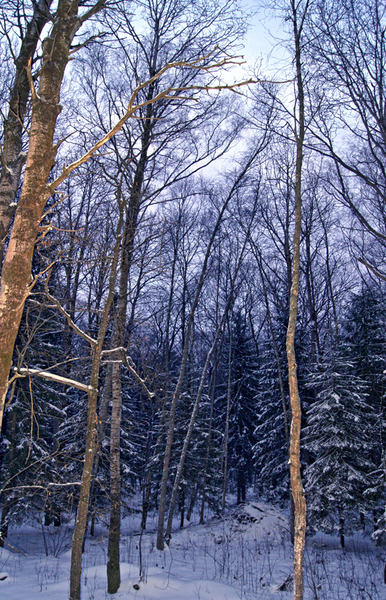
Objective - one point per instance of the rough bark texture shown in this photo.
(113, 569)
(295, 466)
(13, 158)
(16, 273)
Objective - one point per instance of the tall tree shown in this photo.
(16, 273)
(346, 42)
(29, 26)
(297, 13)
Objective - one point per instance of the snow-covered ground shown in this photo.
(247, 556)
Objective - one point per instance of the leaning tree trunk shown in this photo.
(177, 391)
(189, 433)
(199, 396)
(13, 157)
(16, 272)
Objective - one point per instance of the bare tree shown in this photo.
(346, 42)
(16, 275)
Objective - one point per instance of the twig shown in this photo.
(13, 547)
(71, 323)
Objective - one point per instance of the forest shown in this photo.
(192, 257)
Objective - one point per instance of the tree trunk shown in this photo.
(192, 502)
(188, 436)
(341, 528)
(208, 444)
(12, 156)
(91, 437)
(295, 466)
(102, 418)
(16, 272)
(81, 517)
(4, 523)
(170, 435)
(113, 569)
(281, 386)
(190, 428)
(229, 390)
(181, 505)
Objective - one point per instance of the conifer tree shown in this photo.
(339, 438)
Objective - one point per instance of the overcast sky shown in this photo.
(261, 42)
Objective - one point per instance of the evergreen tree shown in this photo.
(339, 439)
(270, 450)
(365, 335)
(242, 416)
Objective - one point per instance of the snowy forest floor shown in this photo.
(247, 555)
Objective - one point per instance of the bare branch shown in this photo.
(129, 364)
(25, 372)
(71, 323)
(30, 80)
(134, 108)
(372, 269)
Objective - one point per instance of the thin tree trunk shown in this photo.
(191, 427)
(131, 222)
(192, 502)
(201, 388)
(341, 527)
(226, 435)
(281, 386)
(181, 505)
(91, 438)
(208, 443)
(102, 418)
(295, 466)
(4, 523)
(5, 504)
(177, 391)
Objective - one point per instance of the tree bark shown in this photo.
(16, 272)
(226, 435)
(208, 444)
(13, 158)
(191, 424)
(281, 385)
(113, 568)
(131, 222)
(295, 466)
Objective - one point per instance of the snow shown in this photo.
(246, 555)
